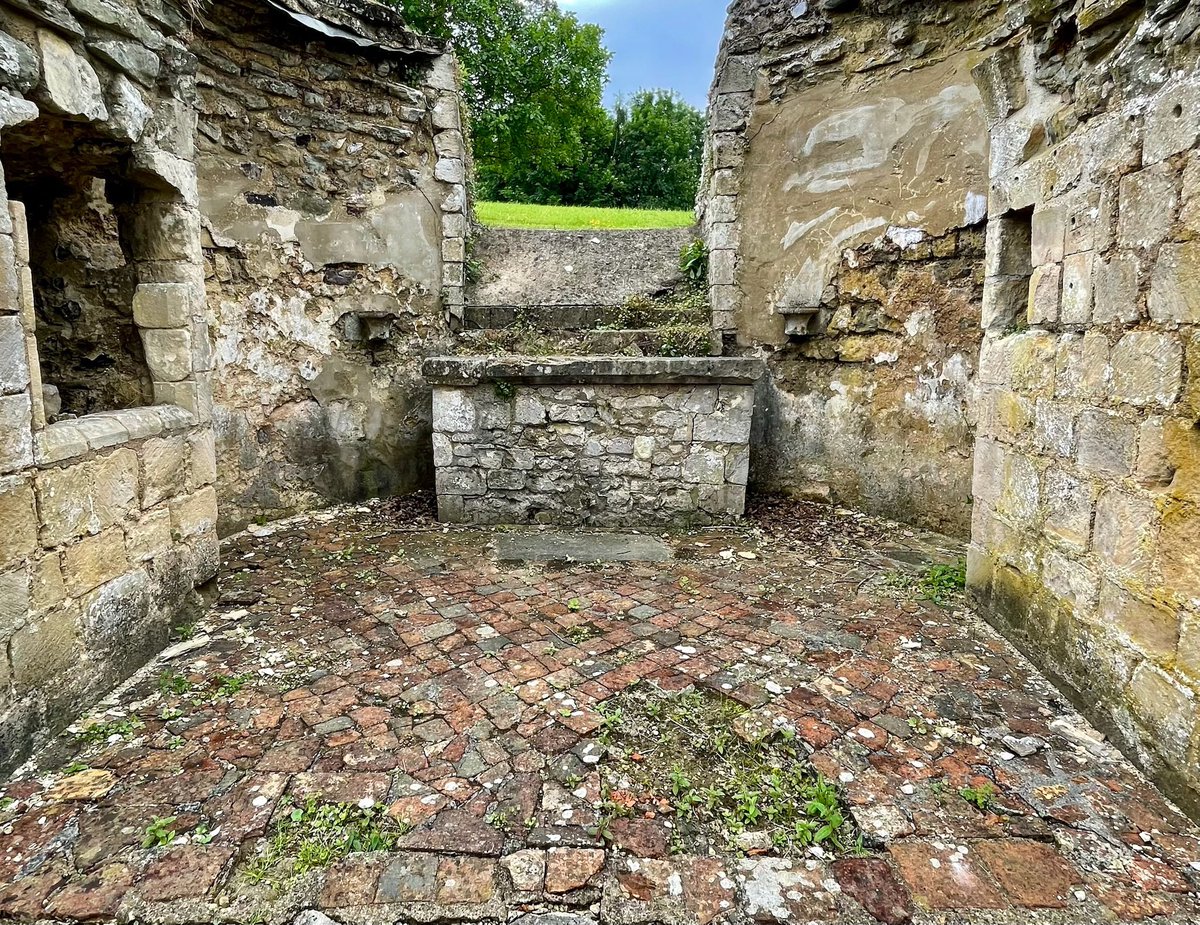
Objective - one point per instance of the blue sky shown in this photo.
(670, 44)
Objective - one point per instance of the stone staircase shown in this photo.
(543, 293)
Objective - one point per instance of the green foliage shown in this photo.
(534, 79)
(316, 833)
(658, 139)
(159, 833)
(982, 798)
(172, 682)
(684, 750)
(941, 582)
(102, 732)
(693, 263)
(505, 390)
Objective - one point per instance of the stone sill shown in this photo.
(619, 370)
(80, 436)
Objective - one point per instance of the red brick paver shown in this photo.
(389, 664)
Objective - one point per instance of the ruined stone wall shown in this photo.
(332, 185)
(569, 279)
(108, 518)
(843, 198)
(602, 442)
(1087, 471)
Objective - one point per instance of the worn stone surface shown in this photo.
(370, 677)
(83, 473)
(1076, 539)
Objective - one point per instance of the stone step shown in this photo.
(679, 340)
(634, 314)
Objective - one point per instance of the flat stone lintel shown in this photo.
(466, 371)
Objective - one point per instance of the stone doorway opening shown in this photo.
(74, 208)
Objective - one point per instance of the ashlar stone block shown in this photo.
(1107, 444)
(453, 411)
(1152, 628)
(45, 648)
(1179, 550)
(1175, 284)
(168, 353)
(1147, 369)
(1077, 289)
(195, 513)
(1172, 123)
(1068, 502)
(14, 359)
(16, 424)
(165, 305)
(1166, 707)
(1148, 202)
(1126, 532)
(95, 560)
(18, 536)
(1045, 288)
(1115, 289)
(164, 469)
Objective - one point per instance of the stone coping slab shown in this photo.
(460, 371)
(581, 547)
(74, 437)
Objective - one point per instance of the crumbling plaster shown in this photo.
(332, 188)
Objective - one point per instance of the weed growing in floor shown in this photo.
(159, 833)
(172, 682)
(942, 582)
(982, 798)
(316, 833)
(102, 732)
(681, 755)
(581, 633)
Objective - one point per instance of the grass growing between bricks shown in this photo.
(313, 834)
(727, 780)
(577, 218)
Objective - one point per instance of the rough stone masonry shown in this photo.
(604, 441)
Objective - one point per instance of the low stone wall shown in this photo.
(603, 441)
(565, 279)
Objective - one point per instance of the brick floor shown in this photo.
(379, 660)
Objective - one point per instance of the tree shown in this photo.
(657, 145)
(534, 84)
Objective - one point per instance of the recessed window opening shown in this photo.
(78, 212)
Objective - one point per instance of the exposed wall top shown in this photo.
(363, 22)
(711, 370)
(528, 267)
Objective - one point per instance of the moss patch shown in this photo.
(728, 779)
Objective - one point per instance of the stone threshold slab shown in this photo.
(581, 547)
(461, 371)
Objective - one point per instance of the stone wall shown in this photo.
(108, 518)
(332, 181)
(843, 197)
(568, 279)
(1087, 469)
(599, 442)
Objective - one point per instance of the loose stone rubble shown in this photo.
(383, 661)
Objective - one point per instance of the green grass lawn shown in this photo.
(573, 218)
